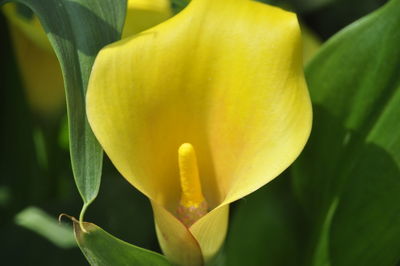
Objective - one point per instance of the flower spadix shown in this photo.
(200, 111)
(192, 205)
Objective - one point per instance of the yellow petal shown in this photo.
(223, 75)
(226, 78)
(143, 14)
(193, 246)
(210, 231)
(176, 241)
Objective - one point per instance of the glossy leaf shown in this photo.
(77, 30)
(348, 177)
(103, 249)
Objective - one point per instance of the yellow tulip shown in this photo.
(38, 63)
(200, 111)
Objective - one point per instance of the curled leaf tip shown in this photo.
(71, 218)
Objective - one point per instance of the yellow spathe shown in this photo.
(223, 75)
(38, 63)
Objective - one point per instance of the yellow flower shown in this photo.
(311, 44)
(143, 14)
(38, 63)
(200, 111)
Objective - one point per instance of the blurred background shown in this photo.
(36, 182)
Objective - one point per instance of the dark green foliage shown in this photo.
(348, 177)
(77, 30)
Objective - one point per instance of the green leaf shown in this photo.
(77, 30)
(103, 249)
(43, 224)
(265, 228)
(348, 178)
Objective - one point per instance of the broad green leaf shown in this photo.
(348, 178)
(43, 224)
(103, 249)
(77, 30)
(265, 228)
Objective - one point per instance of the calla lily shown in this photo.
(311, 44)
(37, 61)
(200, 111)
(143, 14)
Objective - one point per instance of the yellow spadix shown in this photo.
(192, 204)
(225, 76)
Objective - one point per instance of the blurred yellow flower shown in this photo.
(311, 44)
(143, 14)
(38, 63)
(200, 111)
